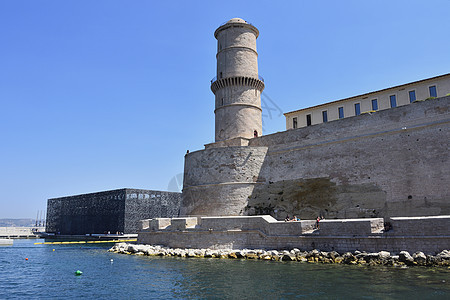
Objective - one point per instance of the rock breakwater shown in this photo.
(403, 258)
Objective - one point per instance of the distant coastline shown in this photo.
(10, 222)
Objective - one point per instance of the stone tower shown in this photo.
(237, 86)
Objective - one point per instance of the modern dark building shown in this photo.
(109, 211)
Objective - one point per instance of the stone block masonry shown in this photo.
(264, 232)
(389, 163)
(109, 211)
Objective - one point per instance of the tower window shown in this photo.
(433, 92)
(357, 109)
(294, 122)
(341, 112)
(220, 75)
(393, 100)
(412, 96)
(308, 120)
(374, 104)
(325, 116)
(222, 101)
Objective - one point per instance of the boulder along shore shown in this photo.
(403, 258)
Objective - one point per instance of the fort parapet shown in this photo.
(426, 234)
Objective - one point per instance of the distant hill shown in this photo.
(17, 222)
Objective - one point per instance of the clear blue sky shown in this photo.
(99, 95)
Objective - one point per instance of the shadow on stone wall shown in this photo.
(309, 198)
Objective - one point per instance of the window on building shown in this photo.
(308, 120)
(374, 104)
(294, 122)
(412, 96)
(341, 112)
(325, 116)
(393, 100)
(357, 109)
(433, 92)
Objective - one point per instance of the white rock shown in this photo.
(384, 254)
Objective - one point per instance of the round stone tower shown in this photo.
(237, 86)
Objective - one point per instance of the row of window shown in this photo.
(357, 107)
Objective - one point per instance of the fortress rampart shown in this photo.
(426, 234)
(358, 172)
(216, 174)
(389, 163)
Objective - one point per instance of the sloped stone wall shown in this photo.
(390, 163)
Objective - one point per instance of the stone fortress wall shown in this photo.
(110, 211)
(390, 163)
(362, 173)
(426, 234)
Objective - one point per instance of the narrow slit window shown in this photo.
(393, 100)
(325, 116)
(433, 91)
(341, 112)
(412, 96)
(357, 109)
(294, 122)
(308, 120)
(374, 104)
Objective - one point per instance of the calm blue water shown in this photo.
(49, 274)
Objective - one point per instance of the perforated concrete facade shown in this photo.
(109, 211)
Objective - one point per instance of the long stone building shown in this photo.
(370, 102)
(394, 162)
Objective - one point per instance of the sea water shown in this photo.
(49, 273)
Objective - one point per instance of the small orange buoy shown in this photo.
(26, 258)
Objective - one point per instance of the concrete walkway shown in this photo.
(20, 232)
